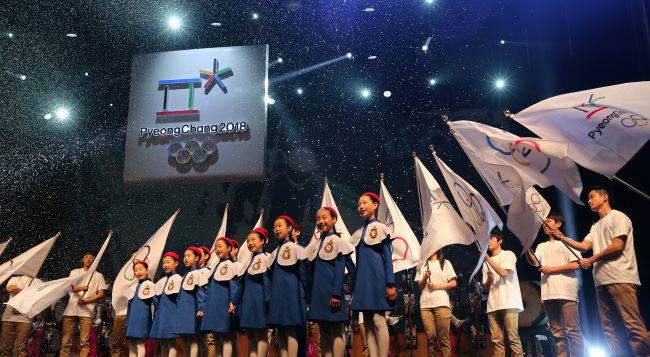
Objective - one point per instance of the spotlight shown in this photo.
(348, 55)
(71, 35)
(365, 93)
(432, 81)
(11, 35)
(369, 9)
(270, 100)
(23, 77)
(256, 16)
(387, 94)
(372, 57)
(596, 352)
(174, 23)
(48, 116)
(62, 113)
(500, 84)
(429, 1)
(426, 44)
(502, 42)
(280, 60)
(215, 24)
(86, 74)
(425, 48)
(299, 90)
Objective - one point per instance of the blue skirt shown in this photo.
(370, 285)
(186, 308)
(285, 307)
(254, 305)
(324, 287)
(216, 317)
(165, 317)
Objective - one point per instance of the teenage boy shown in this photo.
(504, 300)
(559, 288)
(16, 326)
(81, 307)
(615, 275)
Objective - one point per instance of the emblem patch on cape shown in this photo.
(329, 247)
(286, 253)
(224, 270)
(145, 292)
(190, 280)
(257, 264)
(373, 232)
(170, 287)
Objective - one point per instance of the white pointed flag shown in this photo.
(244, 256)
(328, 201)
(605, 127)
(221, 233)
(150, 252)
(441, 224)
(405, 246)
(4, 245)
(36, 298)
(538, 162)
(28, 263)
(473, 207)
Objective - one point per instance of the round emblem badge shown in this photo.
(170, 287)
(190, 280)
(373, 232)
(286, 253)
(257, 264)
(224, 270)
(329, 247)
(145, 292)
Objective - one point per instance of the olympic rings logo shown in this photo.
(523, 152)
(634, 120)
(405, 250)
(472, 202)
(433, 200)
(535, 200)
(504, 182)
(192, 151)
(136, 258)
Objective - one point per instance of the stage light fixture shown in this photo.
(425, 47)
(256, 16)
(62, 113)
(11, 35)
(280, 59)
(23, 77)
(597, 352)
(502, 42)
(387, 94)
(299, 90)
(86, 74)
(500, 83)
(348, 55)
(47, 116)
(174, 23)
(365, 93)
(432, 81)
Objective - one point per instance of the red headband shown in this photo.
(372, 195)
(288, 220)
(146, 265)
(206, 250)
(234, 243)
(173, 255)
(331, 210)
(227, 240)
(196, 250)
(262, 231)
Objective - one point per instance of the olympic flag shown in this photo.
(328, 201)
(245, 255)
(406, 249)
(605, 127)
(28, 263)
(221, 233)
(473, 207)
(538, 162)
(150, 252)
(34, 299)
(441, 224)
(4, 245)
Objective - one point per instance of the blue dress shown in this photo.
(191, 299)
(287, 284)
(374, 272)
(327, 282)
(256, 293)
(223, 288)
(165, 304)
(138, 317)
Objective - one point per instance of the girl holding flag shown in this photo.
(167, 290)
(374, 292)
(328, 255)
(191, 303)
(138, 318)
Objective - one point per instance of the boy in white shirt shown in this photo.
(16, 326)
(559, 288)
(615, 274)
(504, 300)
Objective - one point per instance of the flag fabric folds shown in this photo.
(244, 256)
(28, 263)
(214, 260)
(150, 252)
(605, 127)
(441, 224)
(4, 245)
(328, 201)
(405, 246)
(34, 299)
(473, 207)
(538, 162)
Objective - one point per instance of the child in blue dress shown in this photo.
(374, 290)
(256, 294)
(191, 303)
(328, 255)
(138, 317)
(167, 290)
(223, 296)
(288, 277)
(205, 339)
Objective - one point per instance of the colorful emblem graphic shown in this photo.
(145, 292)
(329, 246)
(190, 280)
(286, 253)
(257, 264)
(170, 287)
(373, 232)
(224, 270)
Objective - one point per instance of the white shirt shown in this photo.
(504, 293)
(621, 268)
(435, 298)
(21, 282)
(96, 283)
(560, 285)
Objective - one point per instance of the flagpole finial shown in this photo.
(227, 205)
(178, 211)
(110, 233)
(414, 154)
(445, 118)
(452, 131)
(432, 149)
(58, 234)
(325, 179)
(507, 113)
(382, 176)
(10, 239)
(262, 211)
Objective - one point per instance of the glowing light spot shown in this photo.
(175, 23)
(502, 42)
(372, 57)
(215, 24)
(387, 94)
(432, 81)
(11, 35)
(365, 93)
(596, 352)
(500, 84)
(48, 116)
(62, 113)
(23, 77)
(348, 55)
(299, 91)
(280, 60)
(71, 35)
(368, 9)
(256, 16)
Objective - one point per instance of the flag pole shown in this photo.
(631, 187)
(415, 156)
(453, 133)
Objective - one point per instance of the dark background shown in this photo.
(67, 175)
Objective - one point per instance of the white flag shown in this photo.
(28, 263)
(4, 245)
(527, 209)
(538, 162)
(328, 201)
(605, 127)
(244, 256)
(150, 252)
(405, 246)
(441, 224)
(221, 233)
(36, 298)
(473, 207)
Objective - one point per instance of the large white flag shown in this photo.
(4, 245)
(244, 256)
(473, 207)
(221, 233)
(34, 299)
(527, 209)
(28, 263)
(405, 246)
(328, 201)
(605, 127)
(150, 252)
(441, 224)
(538, 162)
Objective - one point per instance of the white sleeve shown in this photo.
(449, 270)
(510, 262)
(539, 252)
(101, 283)
(590, 236)
(620, 225)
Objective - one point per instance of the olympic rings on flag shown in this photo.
(634, 120)
(537, 201)
(405, 250)
(522, 152)
(192, 151)
(472, 202)
(136, 257)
